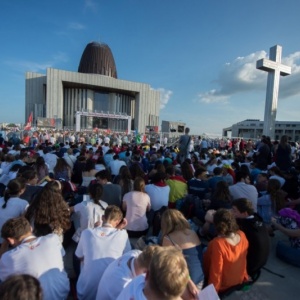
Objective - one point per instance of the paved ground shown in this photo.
(268, 286)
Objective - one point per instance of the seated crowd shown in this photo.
(205, 220)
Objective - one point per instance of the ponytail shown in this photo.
(13, 188)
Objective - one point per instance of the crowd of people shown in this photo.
(201, 208)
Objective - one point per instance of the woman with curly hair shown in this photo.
(11, 205)
(227, 251)
(48, 212)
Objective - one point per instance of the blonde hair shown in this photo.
(139, 184)
(144, 259)
(173, 220)
(168, 273)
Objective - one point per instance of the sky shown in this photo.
(200, 54)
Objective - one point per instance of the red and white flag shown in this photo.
(28, 125)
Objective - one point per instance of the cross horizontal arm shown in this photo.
(270, 65)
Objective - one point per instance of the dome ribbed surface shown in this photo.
(98, 59)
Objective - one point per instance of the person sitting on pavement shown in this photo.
(288, 223)
(166, 279)
(256, 233)
(244, 189)
(227, 251)
(97, 248)
(177, 184)
(136, 204)
(123, 270)
(37, 256)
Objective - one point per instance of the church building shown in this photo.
(92, 97)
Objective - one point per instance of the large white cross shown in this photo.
(274, 68)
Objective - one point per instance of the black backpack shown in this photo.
(157, 220)
(190, 205)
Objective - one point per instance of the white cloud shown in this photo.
(76, 26)
(165, 96)
(213, 96)
(91, 4)
(241, 75)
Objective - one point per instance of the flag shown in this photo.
(28, 125)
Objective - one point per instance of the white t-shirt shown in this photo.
(99, 247)
(15, 207)
(159, 195)
(115, 166)
(137, 203)
(109, 289)
(50, 160)
(41, 258)
(243, 190)
(134, 290)
(90, 213)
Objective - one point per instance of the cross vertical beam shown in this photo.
(274, 68)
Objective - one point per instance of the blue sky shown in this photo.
(201, 54)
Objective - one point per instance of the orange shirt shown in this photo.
(225, 264)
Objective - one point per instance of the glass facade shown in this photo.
(97, 101)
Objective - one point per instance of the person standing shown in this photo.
(184, 142)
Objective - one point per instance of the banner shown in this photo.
(28, 125)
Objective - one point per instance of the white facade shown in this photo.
(253, 129)
(172, 129)
(59, 94)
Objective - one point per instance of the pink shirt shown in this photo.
(136, 203)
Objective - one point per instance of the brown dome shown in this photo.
(98, 59)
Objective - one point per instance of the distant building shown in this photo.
(172, 129)
(93, 90)
(253, 129)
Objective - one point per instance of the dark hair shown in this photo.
(221, 193)
(104, 174)
(136, 171)
(89, 165)
(170, 170)
(239, 175)
(29, 175)
(125, 180)
(277, 194)
(49, 211)
(96, 191)
(187, 171)
(21, 287)
(15, 168)
(61, 165)
(157, 177)
(243, 205)
(225, 222)
(199, 171)
(13, 188)
(40, 162)
(15, 228)
(217, 171)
